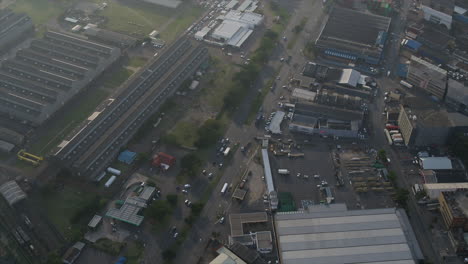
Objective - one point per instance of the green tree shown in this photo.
(382, 155)
(191, 164)
(197, 208)
(172, 199)
(401, 196)
(169, 254)
(53, 258)
(159, 210)
(209, 133)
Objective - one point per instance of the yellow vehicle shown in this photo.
(28, 157)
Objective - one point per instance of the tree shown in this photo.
(191, 164)
(172, 199)
(159, 210)
(208, 133)
(197, 208)
(401, 196)
(382, 155)
(53, 258)
(168, 254)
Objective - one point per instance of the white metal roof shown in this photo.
(275, 125)
(349, 77)
(304, 94)
(12, 192)
(227, 29)
(334, 235)
(249, 18)
(436, 163)
(267, 168)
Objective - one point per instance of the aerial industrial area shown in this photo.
(233, 131)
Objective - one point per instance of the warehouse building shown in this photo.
(423, 123)
(236, 27)
(438, 11)
(334, 235)
(315, 119)
(352, 36)
(44, 76)
(13, 27)
(428, 77)
(110, 37)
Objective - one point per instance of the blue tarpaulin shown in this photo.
(127, 156)
(413, 44)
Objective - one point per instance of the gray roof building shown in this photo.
(457, 95)
(43, 77)
(333, 235)
(353, 35)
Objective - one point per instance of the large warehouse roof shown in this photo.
(42, 77)
(350, 30)
(334, 235)
(436, 163)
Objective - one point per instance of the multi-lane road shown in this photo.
(100, 137)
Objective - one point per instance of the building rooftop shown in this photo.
(444, 6)
(457, 91)
(275, 125)
(95, 221)
(436, 163)
(350, 29)
(304, 94)
(458, 202)
(12, 192)
(424, 112)
(226, 256)
(327, 112)
(333, 235)
(350, 77)
(238, 220)
(250, 18)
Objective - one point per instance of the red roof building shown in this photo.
(163, 160)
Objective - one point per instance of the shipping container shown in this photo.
(114, 171)
(110, 181)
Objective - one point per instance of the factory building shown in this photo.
(44, 76)
(315, 119)
(12, 27)
(333, 234)
(236, 27)
(428, 77)
(438, 11)
(351, 36)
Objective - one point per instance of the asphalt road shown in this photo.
(193, 247)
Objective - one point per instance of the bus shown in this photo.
(224, 189)
(389, 138)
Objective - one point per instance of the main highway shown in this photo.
(101, 136)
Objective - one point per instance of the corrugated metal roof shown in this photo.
(436, 163)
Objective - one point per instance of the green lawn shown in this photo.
(41, 11)
(118, 78)
(61, 205)
(219, 83)
(74, 113)
(136, 62)
(141, 18)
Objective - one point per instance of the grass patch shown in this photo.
(74, 113)
(297, 31)
(134, 252)
(118, 78)
(136, 62)
(185, 133)
(186, 17)
(62, 205)
(141, 18)
(218, 83)
(41, 11)
(108, 246)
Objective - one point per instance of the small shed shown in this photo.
(95, 221)
(239, 194)
(127, 157)
(6, 146)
